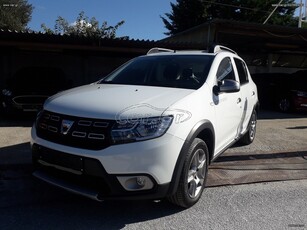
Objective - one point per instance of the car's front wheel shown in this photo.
(193, 175)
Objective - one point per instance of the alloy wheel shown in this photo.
(196, 173)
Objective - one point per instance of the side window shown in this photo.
(242, 71)
(225, 70)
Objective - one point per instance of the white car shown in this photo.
(148, 130)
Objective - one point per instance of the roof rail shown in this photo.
(159, 50)
(219, 48)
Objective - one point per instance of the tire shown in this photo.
(284, 105)
(193, 176)
(249, 136)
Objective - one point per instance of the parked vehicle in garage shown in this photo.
(28, 89)
(298, 97)
(149, 129)
(284, 92)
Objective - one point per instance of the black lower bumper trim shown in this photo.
(64, 185)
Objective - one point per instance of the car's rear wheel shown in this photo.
(193, 176)
(249, 136)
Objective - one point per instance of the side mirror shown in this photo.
(227, 86)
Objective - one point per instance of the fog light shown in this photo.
(141, 181)
(135, 183)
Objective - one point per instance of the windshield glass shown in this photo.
(179, 71)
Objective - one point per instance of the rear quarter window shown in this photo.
(242, 71)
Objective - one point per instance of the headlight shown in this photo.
(140, 129)
(6, 92)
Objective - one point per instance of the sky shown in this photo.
(142, 17)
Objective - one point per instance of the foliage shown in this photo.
(15, 14)
(186, 14)
(83, 26)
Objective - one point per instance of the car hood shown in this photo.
(106, 101)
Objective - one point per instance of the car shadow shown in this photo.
(298, 127)
(18, 154)
(33, 204)
(57, 209)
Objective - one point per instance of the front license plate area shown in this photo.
(61, 159)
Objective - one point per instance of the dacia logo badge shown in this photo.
(66, 126)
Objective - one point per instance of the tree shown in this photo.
(15, 14)
(189, 13)
(83, 26)
(257, 11)
(185, 14)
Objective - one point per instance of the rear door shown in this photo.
(248, 94)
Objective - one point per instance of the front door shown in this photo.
(228, 107)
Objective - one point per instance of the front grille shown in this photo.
(87, 133)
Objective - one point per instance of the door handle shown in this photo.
(238, 100)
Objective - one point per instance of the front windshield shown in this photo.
(179, 71)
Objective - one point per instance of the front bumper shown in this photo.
(97, 174)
